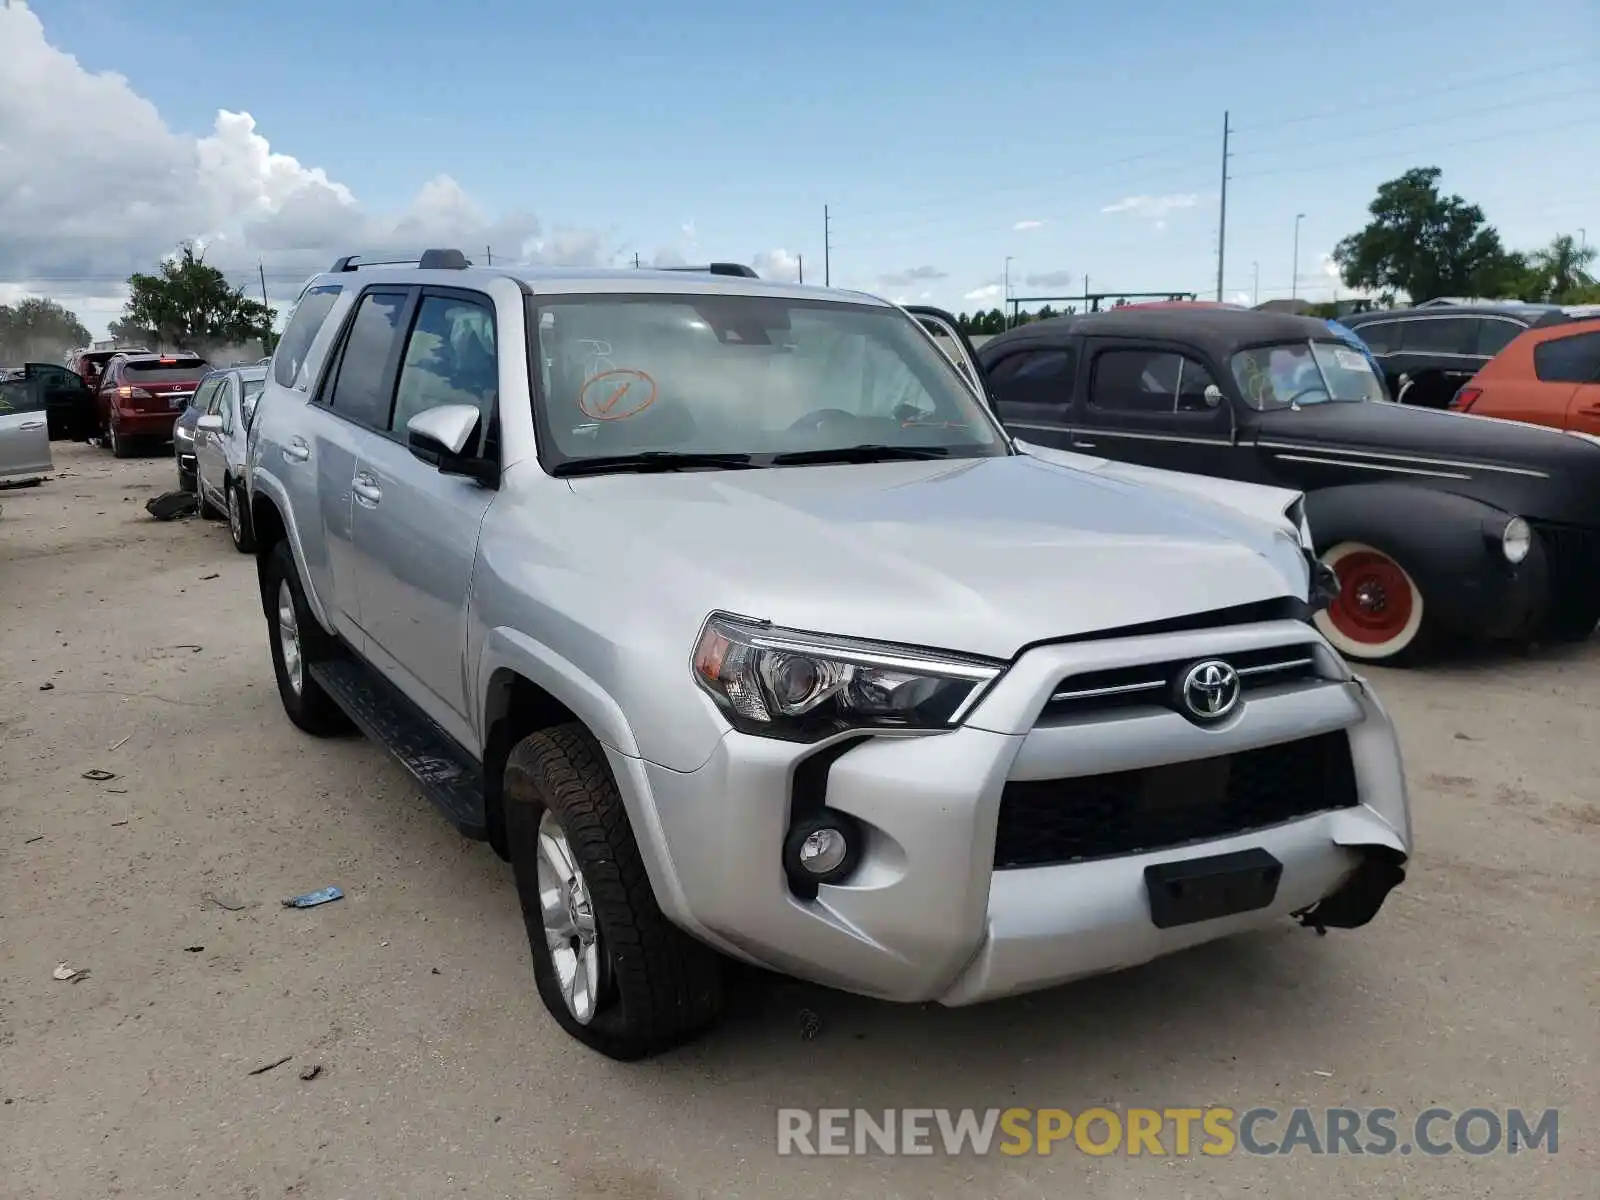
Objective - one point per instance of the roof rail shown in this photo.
(720, 268)
(431, 260)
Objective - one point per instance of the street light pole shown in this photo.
(1006, 292)
(1255, 286)
(1294, 282)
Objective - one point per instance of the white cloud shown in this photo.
(64, 128)
(1240, 298)
(911, 275)
(1024, 226)
(1050, 279)
(1153, 207)
(689, 234)
(777, 265)
(1330, 268)
(989, 291)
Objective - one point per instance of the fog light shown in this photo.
(822, 849)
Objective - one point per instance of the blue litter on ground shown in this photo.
(312, 899)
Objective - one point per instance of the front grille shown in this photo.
(1049, 822)
(1155, 683)
(1572, 553)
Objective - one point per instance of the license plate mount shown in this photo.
(1203, 889)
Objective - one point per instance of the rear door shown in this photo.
(350, 408)
(415, 531)
(1574, 360)
(24, 431)
(1156, 404)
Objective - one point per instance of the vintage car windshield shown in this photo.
(758, 376)
(1298, 373)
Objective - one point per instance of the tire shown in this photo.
(307, 705)
(186, 482)
(1380, 615)
(1571, 619)
(654, 987)
(244, 540)
(120, 446)
(207, 510)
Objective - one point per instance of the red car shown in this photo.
(141, 395)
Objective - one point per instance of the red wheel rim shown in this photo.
(1374, 604)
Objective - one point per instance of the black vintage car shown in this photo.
(1429, 351)
(1434, 522)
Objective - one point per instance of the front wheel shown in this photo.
(1379, 615)
(298, 641)
(610, 968)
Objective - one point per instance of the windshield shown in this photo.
(1305, 373)
(747, 375)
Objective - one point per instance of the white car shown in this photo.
(227, 402)
(24, 431)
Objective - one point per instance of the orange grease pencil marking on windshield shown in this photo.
(605, 411)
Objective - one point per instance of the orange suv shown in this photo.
(1548, 376)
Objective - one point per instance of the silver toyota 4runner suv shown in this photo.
(727, 612)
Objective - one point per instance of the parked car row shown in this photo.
(208, 445)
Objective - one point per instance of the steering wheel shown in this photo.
(818, 417)
(1316, 387)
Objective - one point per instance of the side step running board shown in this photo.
(443, 770)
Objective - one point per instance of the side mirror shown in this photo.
(209, 423)
(1213, 396)
(439, 437)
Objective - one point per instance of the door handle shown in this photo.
(366, 489)
(31, 425)
(297, 451)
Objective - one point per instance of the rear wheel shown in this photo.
(1379, 615)
(121, 447)
(610, 968)
(238, 521)
(298, 641)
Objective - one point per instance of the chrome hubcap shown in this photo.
(235, 518)
(289, 638)
(570, 930)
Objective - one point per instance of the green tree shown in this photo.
(1425, 245)
(1561, 269)
(190, 305)
(39, 330)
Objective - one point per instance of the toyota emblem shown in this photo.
(1209, 690)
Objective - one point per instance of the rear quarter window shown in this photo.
(1573, 359)
(310, 313)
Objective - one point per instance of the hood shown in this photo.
(1254, 500)
(982, 555)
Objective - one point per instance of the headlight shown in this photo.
(1516, 540)
(183, 433)
(803, 687)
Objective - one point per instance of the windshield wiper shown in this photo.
(650, 460)
(868, 452)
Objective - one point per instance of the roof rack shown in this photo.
(431, 260)
(720, 268)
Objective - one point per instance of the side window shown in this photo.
(1440, 335)
(1379, 336)
(202, 396)
(310, 312)
(1495, 334)
(1147, 381)
(214, 400)
(247, 405)
(449, 359)
(225, 405)
(358, 393)
(1572, 359)
(1034, 377)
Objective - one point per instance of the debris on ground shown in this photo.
(124, 821)
(273, 1065)
(63, 973)
(193, 949)
(37, 838)
(47, 687)
(810, 1025)
(172, 506)
(189, 646)
(312, 899)
(98, 775)
(120, 742)
(116, 791)
(225, 902)
(311, 1072)
(213, 575)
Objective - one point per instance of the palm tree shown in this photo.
(1563, 265)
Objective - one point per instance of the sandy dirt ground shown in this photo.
(138, 648)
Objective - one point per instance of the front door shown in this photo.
(415, 531)
(1032, 391)
(210, 461)
(24, 432)
(1157, 405)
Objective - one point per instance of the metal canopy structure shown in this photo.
(1092, 301)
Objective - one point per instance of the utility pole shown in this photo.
(263, 271)
(1294, 282)
(488, 252)
(827, 248)
(1222, 215)
(800, 262)
(635, 260)
(1255, 286)
(1005, 290)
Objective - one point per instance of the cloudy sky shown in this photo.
(1072, 140)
